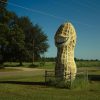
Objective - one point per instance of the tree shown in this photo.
(12, 45)
(16, 46)
(2, 9)
(40, 41)
(3, 3)
(4, 31)
(12, 42)
(19, 38)
(35, 39)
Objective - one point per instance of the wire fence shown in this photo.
(67, 80)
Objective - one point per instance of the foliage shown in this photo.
(19, 38)
(4, 30)
(16, 44)
(3, 3)
(35, 39)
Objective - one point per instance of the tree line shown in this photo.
(20, 39)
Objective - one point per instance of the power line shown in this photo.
(86, 5)
(44, 13)
(36, 11)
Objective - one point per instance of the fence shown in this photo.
(81, 78)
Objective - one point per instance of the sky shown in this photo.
(50, 14)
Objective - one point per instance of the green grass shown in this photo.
(29, 92)
(40, 92)
(88, 63)
(51, 65)
(47, 65)
(29, 87)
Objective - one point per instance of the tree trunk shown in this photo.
(20, 63)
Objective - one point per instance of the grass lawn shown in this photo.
(47, 65)
(38, 92)
(17, 89)
(27, 86)
(51, 65)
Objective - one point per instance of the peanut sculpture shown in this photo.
(65, 40)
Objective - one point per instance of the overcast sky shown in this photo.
(50, 14)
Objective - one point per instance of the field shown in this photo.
(51, 65)
(20, 83)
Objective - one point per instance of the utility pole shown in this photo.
(33, 53)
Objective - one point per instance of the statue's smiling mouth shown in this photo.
(61, 42)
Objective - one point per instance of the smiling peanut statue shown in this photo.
(65, 40)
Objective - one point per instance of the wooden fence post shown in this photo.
(87, 75)
(45, 76)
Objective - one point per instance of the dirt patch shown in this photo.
(17, 71)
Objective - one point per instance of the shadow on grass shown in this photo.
(23, 83)
(33, 66)
(94, 77)
(17, 65)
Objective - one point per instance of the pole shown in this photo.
(45, 77)
(33, 53)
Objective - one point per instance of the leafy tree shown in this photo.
(25, 24)
(3, 3)
(19, 38)
(12, 43)
(40, 41)
(2, 9)
(4, 30)
(16, 46)
(35, 39)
